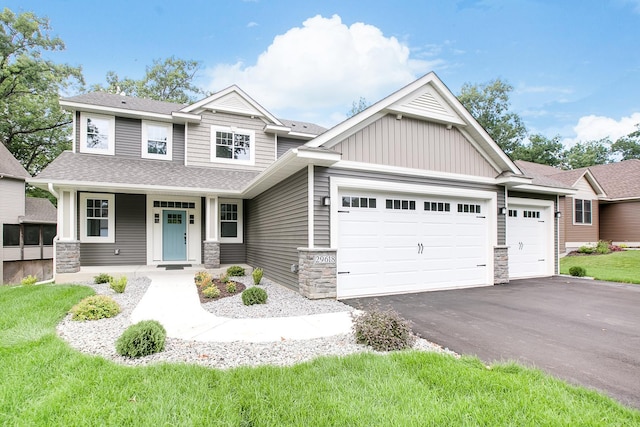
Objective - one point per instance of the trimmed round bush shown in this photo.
(95, 307)
(577, 271)
(211, 292)
(142, 339)
(235, 270)
(257, 276)
(232, 288)
(254, 295)
(383, 330)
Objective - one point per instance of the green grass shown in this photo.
(614, 267)
(45, 382)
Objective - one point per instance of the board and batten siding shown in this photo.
(12, 200)
(416, 144)
(131, 235)
(276, 224)
(286, 144)
(199, 141)
(620, 222)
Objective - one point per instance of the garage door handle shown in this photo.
(343, 211)
(481, 265)
(344, 272)
(541, 259)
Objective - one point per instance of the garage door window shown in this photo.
(358, 202)
(468, 208)
(531, 214)
(513, 213)
(437, 206)
(401, 204)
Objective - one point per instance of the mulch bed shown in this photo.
(223, 291)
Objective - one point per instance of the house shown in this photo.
(27, 226)
(606, 205)
(410, 194)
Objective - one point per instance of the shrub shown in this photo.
(602, 247)
(224, 278)
(623, 246)
(202, 277)
(142, 339)
(29, 280)
(383, 330)
(253, 296)
(95, 307)
(118, 285)
(577, 271)
(235, 270)
(211, 292)
(257, 276)
(102, 278)
(586, 249)
(616, 248)
(232, 288)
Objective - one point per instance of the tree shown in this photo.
(32, 125)
(628, 147)
(588, 153)
(489, 104)
(540, 150)
(169, 80)
(358, 106)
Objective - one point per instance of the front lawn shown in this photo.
(614, 267)
(45, 382)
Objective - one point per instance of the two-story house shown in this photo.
(409, 195)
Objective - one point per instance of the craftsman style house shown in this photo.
(409, 195)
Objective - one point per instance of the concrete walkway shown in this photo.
(172, 299)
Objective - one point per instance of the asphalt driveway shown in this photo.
(585, 332)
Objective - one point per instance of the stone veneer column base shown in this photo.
(67, 256)
(500, 264)
(211, 257)
(317, 271)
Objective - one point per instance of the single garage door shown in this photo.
(530, 239)
(393, 243)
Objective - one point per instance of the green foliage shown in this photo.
(29, 281)
(118, 285)
(489, 104)
(232, 288)
(588, 153)
(577, 271)
(540, 149)
(202, 278)
(603, 247)
(586, 249)
(622, 266)
(224, 278)
(628, 147)
(142, 339)
(257, 276)
(102, 278)
(253, 296)
(383, 330)
(235, 270)
(211, 292)
(95, 307)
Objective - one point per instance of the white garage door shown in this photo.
(390, 243)
(530, 240)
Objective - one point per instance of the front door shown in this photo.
(174, 236)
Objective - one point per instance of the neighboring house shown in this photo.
(410, 194)
(606, 205)
(28, 226)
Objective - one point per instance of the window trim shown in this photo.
(234, 130)
(582, 212)
(111, 149)
(240, 237)
(144, 141)
(111, 218)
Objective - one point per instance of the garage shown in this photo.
(530, 238)
(392, 243)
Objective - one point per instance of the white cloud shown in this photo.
(252, 24)
(594, 127)
(316, 71)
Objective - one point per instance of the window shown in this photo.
(97, 134)
(230, 213)
(468, 208)
(157, 140)
(97, 218)
(167, 204)
(437, 206)
(582, 211)
(31, 234)
(11, 235)
(232, 145)
(358, 202)
(401, 204)
(531, 214)
(48, 233)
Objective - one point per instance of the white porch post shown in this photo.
(211, 258)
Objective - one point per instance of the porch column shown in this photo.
(500, 264)
(211, 256)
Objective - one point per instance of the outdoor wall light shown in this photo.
(502, 211)
(558, 214)
(326, 201)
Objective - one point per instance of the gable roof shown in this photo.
(104, 99)
(39, 210)
(555, 177)
(620, 180)
(10, 167)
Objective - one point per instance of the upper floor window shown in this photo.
(157, 140)
(97, 218)
(232, 145)
(582, 211)
(97, 134)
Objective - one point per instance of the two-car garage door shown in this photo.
(393, 243)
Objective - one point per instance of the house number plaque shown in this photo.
(324, 259)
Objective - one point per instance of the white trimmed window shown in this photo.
(231, 145)
(97, 134)
(230, 216)
(97, 218)
(157, 140)
(582, 211)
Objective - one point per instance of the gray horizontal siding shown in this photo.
(128, 137)
(276, 225)
(131, 235)
(502, 219)
(233, 253)
(286, 144)
(178, 144)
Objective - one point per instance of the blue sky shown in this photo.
(574, 64)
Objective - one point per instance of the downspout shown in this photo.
(55, 238)
(557, 260)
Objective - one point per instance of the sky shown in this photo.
(574, 64)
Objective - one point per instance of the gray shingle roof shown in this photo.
(105, 99)
(544, 175)
(109, 170)
(39, 210)
(9, 166)
(619, 180)
(303, 127)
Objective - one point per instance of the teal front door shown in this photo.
(174, 236)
